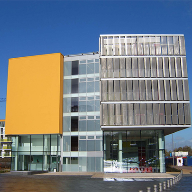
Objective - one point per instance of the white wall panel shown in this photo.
(122, 67)
(148, 86)
(149, 114)
(128, 67)
(130, 114)
(165, 67)
(129, 90)
(117, 90)
(110, 67)
(135, 89)
(143, 113)
(147, 67)
(167, 90)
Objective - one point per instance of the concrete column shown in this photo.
(120, 150)
(45, 153)
(16, 155)
(61, 158)
(161, 152)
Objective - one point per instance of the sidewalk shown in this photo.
(115, 175)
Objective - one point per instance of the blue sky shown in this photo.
(71, 27)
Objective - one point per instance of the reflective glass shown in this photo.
(37, 142)
(66, 123)
(67, 68)
(82, 125)
(66, 143)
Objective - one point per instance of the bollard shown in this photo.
(155, 188)
(164, 185)
(148, 189)
(160, 187)
(168, 185)
(140, 190)
(171, 182)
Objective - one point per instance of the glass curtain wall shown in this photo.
(82, 136)
(134, 151)
(35, 153)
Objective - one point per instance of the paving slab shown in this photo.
(115, 175)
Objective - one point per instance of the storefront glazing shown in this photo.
(35, 152)
(134, 151)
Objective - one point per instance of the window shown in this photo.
(74, 143)
(74, 104)
(74, 85)
(75, 67)
(74, 123)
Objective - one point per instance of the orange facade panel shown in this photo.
(35, 95)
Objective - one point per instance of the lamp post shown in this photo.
(173, 150)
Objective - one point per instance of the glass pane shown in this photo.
(98, 164)
(82, 87)
(54, 144)
(74, 123)
(24, 143)
(82, 69)
(91, 164)
(36, 161)
(90, 105)
(74, 85)
(82, 164)
(82, 145)
(75, 67)
(66, 123)
(74, 104)
(67, 68)
(90, 125)
(67, 86)
(82, 106)
(98, 145)
(66, 143)
(74, 143)
(90, 86)
(36, 142)
(96, 67)
(67, 105)
(82, 125)
(97, 125)
(90, 145)
(46, 142)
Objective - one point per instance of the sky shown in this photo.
(71, 27)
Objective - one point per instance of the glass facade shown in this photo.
(134, 151)
(117, 107)
(144, 96)
(35, 153)
(82, 136)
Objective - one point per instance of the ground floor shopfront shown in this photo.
(123, 151)
(134, 151)
(35, 153)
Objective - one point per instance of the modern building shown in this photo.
(5, 142)
(105, 112)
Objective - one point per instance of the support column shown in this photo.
(16, 154)
(120, 151)
(161, 152)
(61, 158)
(45, 167)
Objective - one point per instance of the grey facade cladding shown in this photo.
(144, 82)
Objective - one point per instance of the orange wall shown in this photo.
(35, 95)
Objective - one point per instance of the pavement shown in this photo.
(115, 175)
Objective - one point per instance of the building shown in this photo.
(5, 142)
(106, 111)
(5, 147)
